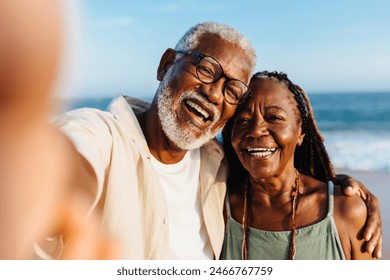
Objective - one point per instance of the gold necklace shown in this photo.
(293, 236)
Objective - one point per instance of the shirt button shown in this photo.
(165, 221)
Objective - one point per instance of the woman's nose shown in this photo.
(257, 129)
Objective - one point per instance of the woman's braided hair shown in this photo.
(310, 157)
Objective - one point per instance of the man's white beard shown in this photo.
(182, 137)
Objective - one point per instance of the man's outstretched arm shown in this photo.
(37, 162)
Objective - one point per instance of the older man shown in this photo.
(154, 170)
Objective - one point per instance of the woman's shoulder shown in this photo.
(351, 208)
(350, 214)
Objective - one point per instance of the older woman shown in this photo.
(282, 201)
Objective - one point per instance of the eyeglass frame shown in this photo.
(247, 94)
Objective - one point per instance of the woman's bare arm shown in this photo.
(373, 228)
(350, 217)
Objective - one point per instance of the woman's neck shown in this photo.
(273, 190)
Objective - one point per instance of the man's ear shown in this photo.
(166, 61)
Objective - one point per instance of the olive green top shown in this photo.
(316, 242)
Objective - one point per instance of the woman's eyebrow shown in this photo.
(274, 107)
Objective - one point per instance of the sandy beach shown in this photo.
(379, 185)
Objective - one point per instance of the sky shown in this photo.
(325, 46)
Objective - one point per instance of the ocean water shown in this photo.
(356, 127)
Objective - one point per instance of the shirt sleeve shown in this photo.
(89, 131)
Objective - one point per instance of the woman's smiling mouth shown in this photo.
(260, 152)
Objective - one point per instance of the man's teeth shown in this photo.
(261, 152)
(198, 108)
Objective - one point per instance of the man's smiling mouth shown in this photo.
(198, 110)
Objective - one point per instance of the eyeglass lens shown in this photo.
(209, 70)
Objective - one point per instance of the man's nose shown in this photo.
(214, 91)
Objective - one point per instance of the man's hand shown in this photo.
(36, 159)
(373, 231)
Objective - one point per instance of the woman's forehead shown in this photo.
(268, 93)
(269, 89)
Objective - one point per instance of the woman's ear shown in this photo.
(300, 138)
(166, 61)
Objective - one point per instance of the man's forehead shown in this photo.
(213, 43)
(232, 58)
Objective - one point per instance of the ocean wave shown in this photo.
(359, 149)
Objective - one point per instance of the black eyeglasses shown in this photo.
(209, 70)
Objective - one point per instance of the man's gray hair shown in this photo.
(190, 40)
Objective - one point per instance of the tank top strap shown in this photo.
(330, 198)
(227, 199)
(227, 204)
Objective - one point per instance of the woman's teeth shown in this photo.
(261, 152)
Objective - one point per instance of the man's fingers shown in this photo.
(84, 239)
(373, 231)
(349, 191)
(378, 249)
(374, 221)
(373, 241)
(362, 194)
